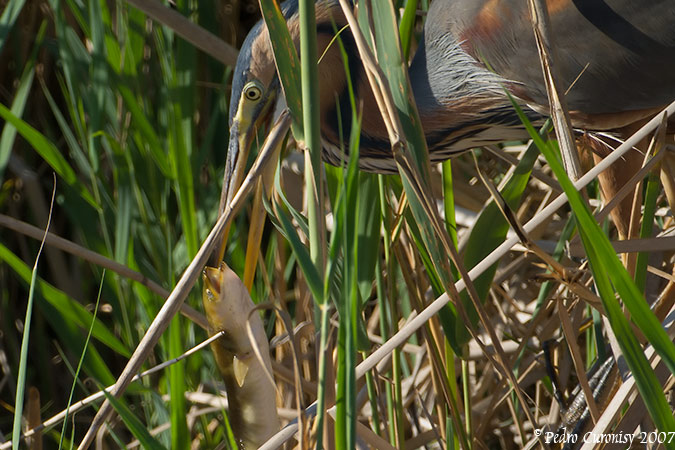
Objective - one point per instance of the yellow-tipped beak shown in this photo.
(237, 155)
(242, 133)
(258, 215)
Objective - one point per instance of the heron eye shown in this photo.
(253, 92)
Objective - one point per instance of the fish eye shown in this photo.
(253, 91)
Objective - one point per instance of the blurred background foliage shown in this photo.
(133, 121)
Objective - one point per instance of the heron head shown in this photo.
(254, 96)
(256, 91)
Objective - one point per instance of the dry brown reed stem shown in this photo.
(558, 271)
(648, 245)
(568, 331)
(188, 279)
(630, 185)
(541, 24)
(376, 79)
(661, 273)
(616, 404)
(33, 418)
(415, 323)
(433, 341)
(408, 168)
(393, 125)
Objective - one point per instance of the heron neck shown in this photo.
(461, 104)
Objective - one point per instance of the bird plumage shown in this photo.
(617, 57)
(612, 55)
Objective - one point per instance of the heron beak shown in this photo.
(232, 178)
(258, 214)
(241, 137)
(242, 133)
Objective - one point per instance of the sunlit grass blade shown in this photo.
(177, 387)
(449, 201)
(370, 222)
(81, 162)
(183, 81)
(314, 191)
(453, 435)
(369, 210)
(489, 231)
(309, 80)
(633, 300)
(300, 220)
(79, 363)
(98, 95)
(25, 339)
(389, 57)
(650, 203)
(183, 186)
(285, 226)
(288, 63)
(648, 385)
(609, 275)
(407, 26)
(349, 305)
(146, 133)
(125, 204)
